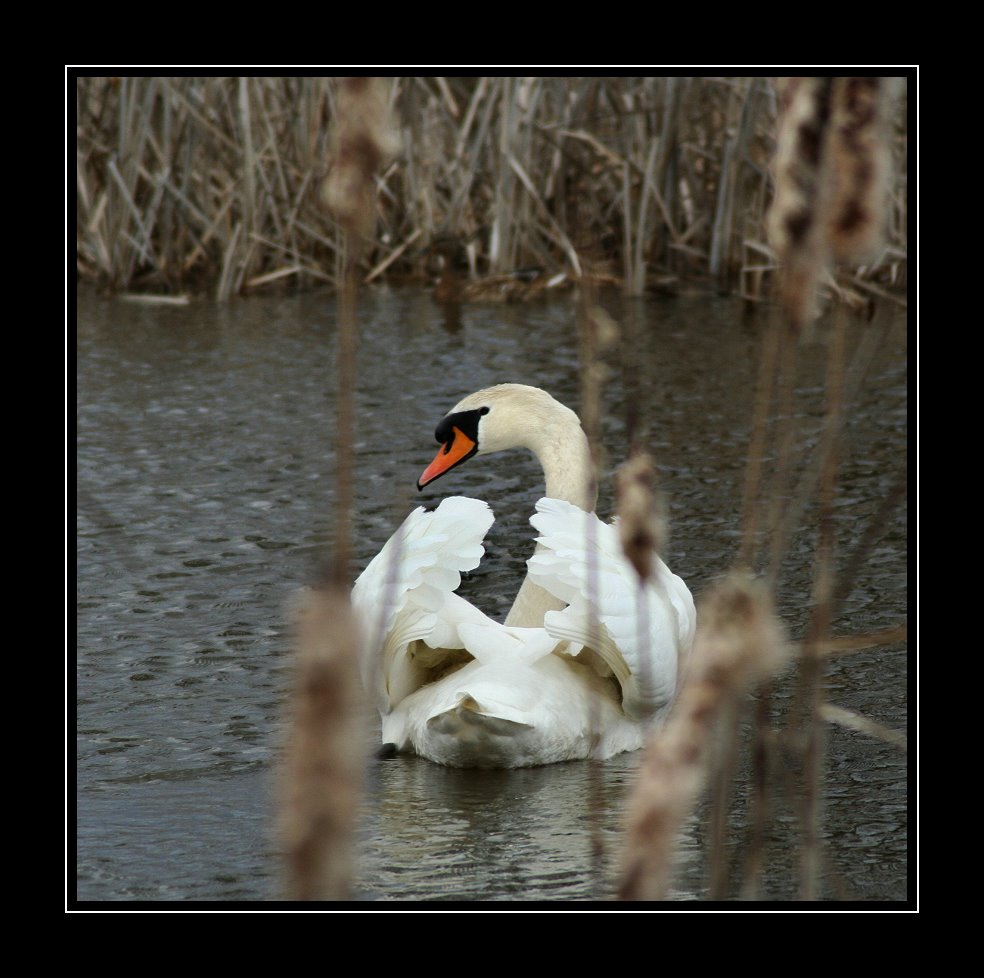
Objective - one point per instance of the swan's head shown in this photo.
(493, 420)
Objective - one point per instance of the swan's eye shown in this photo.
(484, 410)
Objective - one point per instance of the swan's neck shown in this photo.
(568, 471)
(563, 451)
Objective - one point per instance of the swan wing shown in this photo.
(500, 681)
(406, 594)
(641, 631)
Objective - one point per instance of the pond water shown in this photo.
(206, 488)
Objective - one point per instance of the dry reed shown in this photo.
(322, 773)
(595, 331)
(739, 641)
(832, 169)
(209, 184)
(641, 523)
(831, 204)
(325, 759)
(776, 503)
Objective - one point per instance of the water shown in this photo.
(206, 485)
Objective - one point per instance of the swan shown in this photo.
(587, 658)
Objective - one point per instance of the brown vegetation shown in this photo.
(830, 203)
(210, 185)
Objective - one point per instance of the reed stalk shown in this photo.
(593, 371)
(739, 641)
(830, 204)
(823, 593)
(324, 763)
(322, 768)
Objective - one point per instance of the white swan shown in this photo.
(587, 658)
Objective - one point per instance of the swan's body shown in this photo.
(587, 658)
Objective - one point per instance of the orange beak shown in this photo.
(458, 448)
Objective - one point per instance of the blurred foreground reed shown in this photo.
(832, 193)
(327, 753)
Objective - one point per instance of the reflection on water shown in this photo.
(525, 834)
(205, 494)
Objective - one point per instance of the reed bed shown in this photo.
(210, 185)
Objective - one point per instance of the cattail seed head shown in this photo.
(795, 226)
(641, 525)
(860, 165)
(362, 138)
(739, 641)
(831, 180)
(325, 754)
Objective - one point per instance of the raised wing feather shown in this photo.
(641, 632)
(406, 593)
